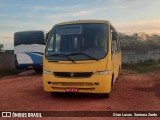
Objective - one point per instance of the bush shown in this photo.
(139, 42)
(147, 66)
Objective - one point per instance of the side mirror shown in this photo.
(114, 35)
(47, 35)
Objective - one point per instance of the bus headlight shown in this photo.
(47, 72)
(103, 72)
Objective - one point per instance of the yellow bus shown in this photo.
(82, 56)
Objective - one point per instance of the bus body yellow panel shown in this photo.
(116, 64)
(98, 83)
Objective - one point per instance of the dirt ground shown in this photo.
(131, 92)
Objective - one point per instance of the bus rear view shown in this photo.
(78, 58)
(29, 48)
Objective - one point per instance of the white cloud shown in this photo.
(6, 38)
(148, 26)
(49, 8)
(82, 13)
(7, 41)
(62, 17)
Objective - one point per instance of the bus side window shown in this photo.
(114, 42)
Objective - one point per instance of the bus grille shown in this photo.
(73, 74)
(72, 84)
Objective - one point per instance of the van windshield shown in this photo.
(79, 42)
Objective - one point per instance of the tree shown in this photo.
(139, 42)
(1, 47)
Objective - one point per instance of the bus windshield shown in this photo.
(78, 42)
(29, 37)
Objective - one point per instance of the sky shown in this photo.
(126, 15)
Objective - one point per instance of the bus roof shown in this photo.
(27, 31)
(29, 37)
(82, 21)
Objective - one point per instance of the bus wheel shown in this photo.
(38, 69)
(105, 95)
(119, 70)
(53, 93)
(112, 82)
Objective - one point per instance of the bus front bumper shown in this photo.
(94, 84)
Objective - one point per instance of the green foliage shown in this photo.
(147, 66)
(140, 42)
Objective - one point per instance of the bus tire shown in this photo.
(112, 82)
(54, 93)
(105, 95)
(119, 70)
(38, 69)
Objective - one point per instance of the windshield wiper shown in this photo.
(80, 53)
(61, 54)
